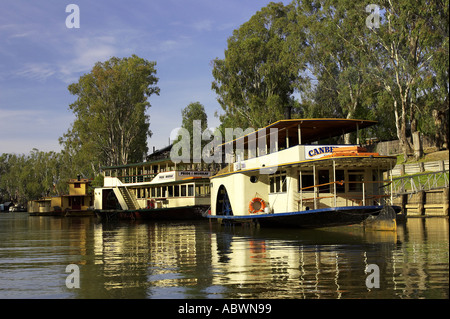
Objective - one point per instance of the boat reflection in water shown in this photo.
(144, 259)
(157, 260)
(309, 264)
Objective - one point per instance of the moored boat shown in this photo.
(284, 175)
(157, 190)
(78, 203)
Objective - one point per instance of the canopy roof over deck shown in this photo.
(310, 130)
(155, 162)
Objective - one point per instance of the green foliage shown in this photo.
(194, 112)
(396, 74)
(36, 175)
(260, 73)
(24, 177)
(111, 125)
(195, 123)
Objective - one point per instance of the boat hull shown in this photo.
(174, 213)
(318, 218)
(66, 213)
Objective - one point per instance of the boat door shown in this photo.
(223, 205)
(76, 203)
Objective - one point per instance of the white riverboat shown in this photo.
(285, 175)
(157, 189)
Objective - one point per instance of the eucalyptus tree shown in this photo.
(112, 124)
(194, 123)
(410, 39)
(336, 56)
(261, 71)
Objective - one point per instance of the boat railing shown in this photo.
(140, 178)
(130, 179)
(361, 196)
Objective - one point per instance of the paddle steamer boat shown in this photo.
(284, 175)
(157, 189)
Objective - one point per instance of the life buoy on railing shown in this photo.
(256, 205)
(151, 203)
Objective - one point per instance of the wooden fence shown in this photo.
(423, 188)
(416, 168)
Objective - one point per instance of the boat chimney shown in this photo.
(287, 112)
(79, 177)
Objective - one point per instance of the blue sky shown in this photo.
(40, 57)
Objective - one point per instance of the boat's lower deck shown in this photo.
(325, 217)
(173, 213)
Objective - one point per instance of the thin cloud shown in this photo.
(87, 52)
(36, 71)
(13, 115)
(84, 53)
(203, 25)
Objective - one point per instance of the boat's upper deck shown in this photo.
(302, 131)
(291, 142)
(152, 172)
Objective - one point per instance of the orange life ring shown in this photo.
(256, 205)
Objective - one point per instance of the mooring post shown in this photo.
(445, 193)
(404, 203)
(421, 203)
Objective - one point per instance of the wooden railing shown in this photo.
(360, 198)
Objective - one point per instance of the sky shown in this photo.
(40, 57)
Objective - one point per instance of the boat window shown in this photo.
(191, 190)
(45, 204)
(376, 178)
(278, 182)
(355, 179)
(340, 179)
(253, 179)
(170, 191)
(176, 190)
(153, 192)
(163, 191)
(324, 180)
(158, 191)
(283, 182)
(183, 190)
(306, 181)
(198, 190)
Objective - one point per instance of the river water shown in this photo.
(181, 260)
